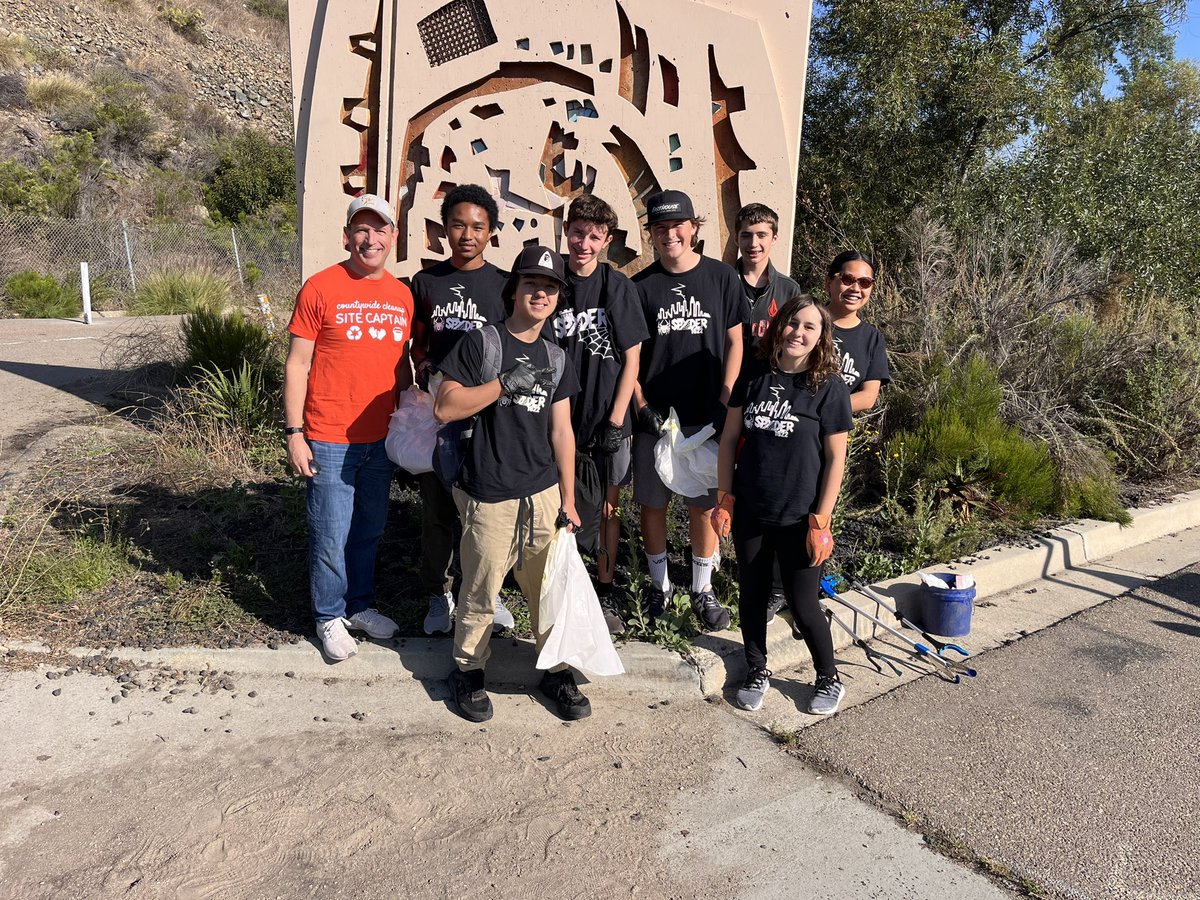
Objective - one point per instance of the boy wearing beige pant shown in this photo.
(518, 476)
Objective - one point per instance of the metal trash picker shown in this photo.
(940, 645)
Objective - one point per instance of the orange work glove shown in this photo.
(820, 539)
(722, 514)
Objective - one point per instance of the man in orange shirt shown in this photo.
(345, 366)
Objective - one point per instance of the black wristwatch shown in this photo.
(289, 430)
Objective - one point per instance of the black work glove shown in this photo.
(719, 412)
(521, 379)
(424, 370)
(608, 438)
(650, 421)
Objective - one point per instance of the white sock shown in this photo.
(702, 571)
(658, 570)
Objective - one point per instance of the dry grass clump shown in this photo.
(55, 91)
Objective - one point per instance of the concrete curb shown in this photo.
(717, 661)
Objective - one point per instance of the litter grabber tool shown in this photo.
(940, 645)
(953, 668)
(872, 655)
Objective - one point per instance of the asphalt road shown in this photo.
(1073, 760)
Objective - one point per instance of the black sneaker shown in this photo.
(561, 688)
(775, 603)
(610, 605)
(712, 615)
(472, 700)
(656, 599)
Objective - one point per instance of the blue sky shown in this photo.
(1187, 43)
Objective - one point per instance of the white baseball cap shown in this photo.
(375, 204)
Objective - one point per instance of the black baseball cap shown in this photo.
(538, 260)
(668, 206)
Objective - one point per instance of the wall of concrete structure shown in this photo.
(539, 102)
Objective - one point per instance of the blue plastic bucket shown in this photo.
(946, 611)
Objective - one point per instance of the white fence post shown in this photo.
(237, 257)
(128, 255)
(86, 287)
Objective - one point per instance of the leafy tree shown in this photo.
(907, 100)
(251, 175)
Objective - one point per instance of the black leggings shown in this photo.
(759, 549)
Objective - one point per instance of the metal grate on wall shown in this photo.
(457, 29)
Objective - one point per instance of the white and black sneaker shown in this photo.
(827, 696)
(754, 688)
(439, 620)
(775, 602)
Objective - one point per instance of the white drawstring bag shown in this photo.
(686, 465)
(570, 612)
(412, 432)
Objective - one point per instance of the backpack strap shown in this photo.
(492, 354)
(558, 359)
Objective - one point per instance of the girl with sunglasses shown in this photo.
(861, 346)
(777, 492)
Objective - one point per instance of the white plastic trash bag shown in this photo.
(686, 465)
(412, 432)
(570, 611)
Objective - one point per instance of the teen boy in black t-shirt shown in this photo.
(600, 326)
(765, 288)
(695, 314)
(518, 477)
(452, 299)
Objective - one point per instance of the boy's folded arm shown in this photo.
(456, 401)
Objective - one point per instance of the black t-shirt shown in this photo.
(688, 316)
(452, 302)
(510, 455)
(864, 355)
(601, 319)
(779, 467)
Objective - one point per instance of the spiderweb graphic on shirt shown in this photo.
(597, 342)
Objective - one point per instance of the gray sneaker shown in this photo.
(827, 695)
(504, 618)
(753, 689)
(775, 602)
(441, 611)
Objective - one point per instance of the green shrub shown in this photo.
(223, 342)
(177, 293)
(36, 296)
(124, 126)
(187, 21)
(252, 174)
(243, 398)
(55, 186)
(270, 9)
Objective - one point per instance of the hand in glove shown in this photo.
(722, 514)
(650, 421)
(608, 438)
(820, 539)
(521, 379)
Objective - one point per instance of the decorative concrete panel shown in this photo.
(540, 102)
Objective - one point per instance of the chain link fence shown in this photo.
(120, 255)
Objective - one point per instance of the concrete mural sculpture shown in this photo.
(540, 102)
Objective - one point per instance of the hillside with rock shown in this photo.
(138, 96)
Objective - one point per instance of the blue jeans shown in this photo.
(347, 509)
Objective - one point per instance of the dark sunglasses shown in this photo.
(865, 282)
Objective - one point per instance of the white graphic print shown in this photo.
(377, 316)
(459, 314)
(850, 371)
(774, 415)
(685, 314)
(592, 327)
(546, 262)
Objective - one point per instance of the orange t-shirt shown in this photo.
(360, 327)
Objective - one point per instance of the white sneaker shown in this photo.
(504, 618)
(441, 610)
(336, 640)
(374, 623)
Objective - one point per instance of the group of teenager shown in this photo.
(563, 361)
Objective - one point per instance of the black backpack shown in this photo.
(453, 439)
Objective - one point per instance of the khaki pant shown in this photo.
(489, 548)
